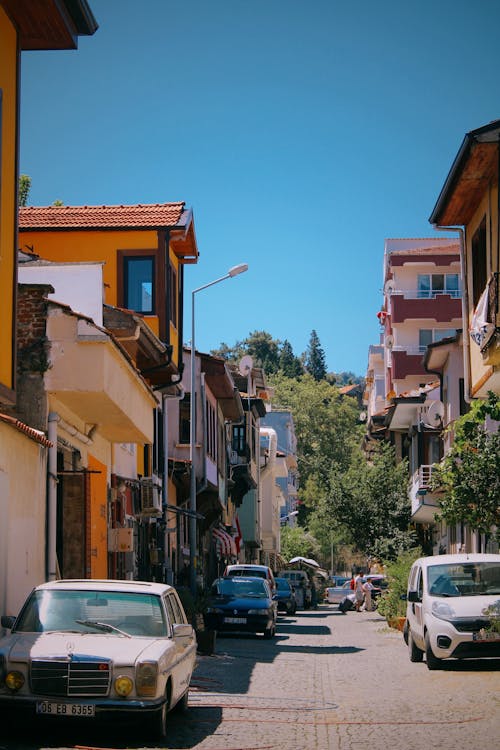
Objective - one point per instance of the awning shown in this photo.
(304, 561)
(224, 543)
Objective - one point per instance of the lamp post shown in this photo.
(234, 271)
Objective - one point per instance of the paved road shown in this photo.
(327, 682)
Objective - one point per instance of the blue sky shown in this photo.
(301, 134)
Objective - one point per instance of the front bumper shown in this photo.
(449, 643)
(252, 624)
(104, 708)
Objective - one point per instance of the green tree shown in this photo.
(23, 189)
(297, 542)
(315, 358)
(469, 475)
(371, 502)
(289, 364)
(260, 345)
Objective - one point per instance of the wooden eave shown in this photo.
(150, 355)
(475, 167)
(222, 386)
(50, 24)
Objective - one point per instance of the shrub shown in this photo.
(390, 603)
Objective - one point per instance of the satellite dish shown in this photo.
(389, 341)
(435, 414)
(362, 416)
(389, 287)
(246, 365)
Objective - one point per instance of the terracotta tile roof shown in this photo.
(152, 216)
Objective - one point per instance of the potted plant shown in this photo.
(392, 602)
(194, 608)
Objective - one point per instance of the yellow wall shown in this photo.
(102, 246)
(8, 195)
(23, 502)
(98, 519)
(90, 246)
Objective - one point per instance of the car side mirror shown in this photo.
(182, 630)
(413, 596)
(8, 621)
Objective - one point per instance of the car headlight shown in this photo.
(14, 680)
(214, 611)
(258, 611)
(442, 610)
(123, 686)
(146, 678)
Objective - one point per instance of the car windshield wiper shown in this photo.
(103, 626)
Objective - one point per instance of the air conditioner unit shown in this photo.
(151, 495)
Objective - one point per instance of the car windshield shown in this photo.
(92, 611)
(236, 587)
(464, 579)
(242, 572)
(282, 584)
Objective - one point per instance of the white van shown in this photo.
(447, 599)
(302, 586)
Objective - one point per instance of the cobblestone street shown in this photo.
(326, 682)
(331, 681)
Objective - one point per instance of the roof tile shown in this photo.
(152, 216)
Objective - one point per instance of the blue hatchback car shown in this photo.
(240, 604)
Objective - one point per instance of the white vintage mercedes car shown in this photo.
(93, 649)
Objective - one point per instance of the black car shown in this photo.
(240, 604)
(285, 596)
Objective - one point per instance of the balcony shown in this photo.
(424, 505)
(489, 340)
(407, 361)
(442, 307)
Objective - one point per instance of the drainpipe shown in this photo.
(52, 498)
(203, 399)
(465, 307)
(164, 485)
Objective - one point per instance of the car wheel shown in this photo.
(269, 632)
(416, 653)
(432, 661)
(158, 725)
(182, 705)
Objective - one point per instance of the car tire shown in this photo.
(269, 633)
(432, 661)
(158, 725)
(416, 653)
(182, 704)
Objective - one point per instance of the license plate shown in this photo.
(48, 708)
(236, 620)
(486, 635)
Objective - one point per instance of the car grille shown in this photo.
(70, 678)
(470, 624)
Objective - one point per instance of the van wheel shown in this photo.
(416, 653)
(432, 661)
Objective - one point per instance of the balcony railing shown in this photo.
(423, 501)
(428, 294)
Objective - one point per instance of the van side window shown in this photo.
(420, 583)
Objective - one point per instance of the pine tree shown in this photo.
(289, 364)
(315, 358)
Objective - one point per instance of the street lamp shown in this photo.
(234, 271)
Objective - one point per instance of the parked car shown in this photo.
(335, 594)
(285, 594)
(446, 602)
(97, 649)
(302, 586)
(241, 605)
(249, 570)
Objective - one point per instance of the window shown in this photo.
(172, 296)
(138, 283)
(479, 262)
(427, 336)
(239, 439)
(432, 284)
(185, 419)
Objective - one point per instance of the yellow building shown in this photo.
(24, 25)
(144, 249)
(469, 202)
